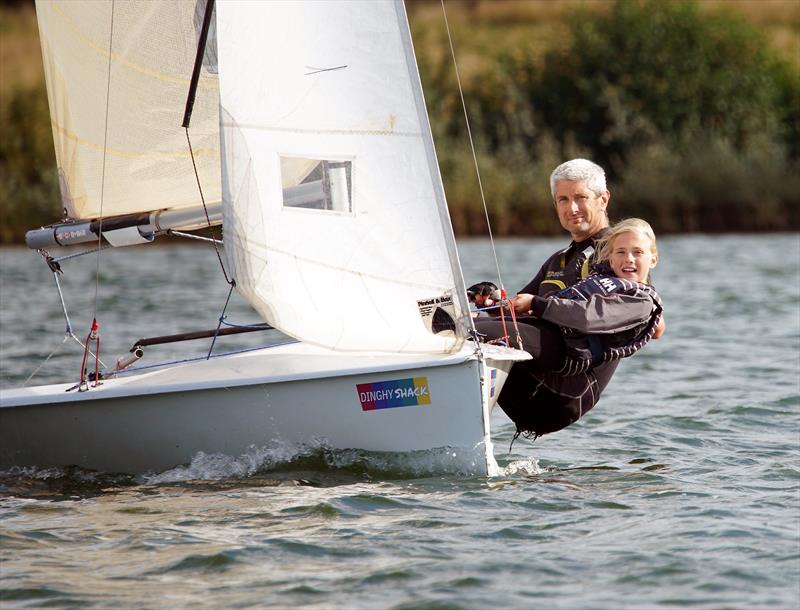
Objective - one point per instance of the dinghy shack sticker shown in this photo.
(438, 314)
(394, 393)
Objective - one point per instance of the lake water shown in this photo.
(680, 489)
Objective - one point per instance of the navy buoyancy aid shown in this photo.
(585, 351)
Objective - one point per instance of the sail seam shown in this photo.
(345, 132)
(207, 83)
(354, 272)
(211, 152)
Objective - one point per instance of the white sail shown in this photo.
(117, 77)
(335, 222)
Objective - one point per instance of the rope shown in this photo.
(214, 240)
(174, 233)
(134, 369)
(232, 325)
(94, 332)
(46, 360)
(516, 326)
(92, 336)
(480, 182)
(221, 319)
(471, 144)
(83, 253)
(103, 170)
(67, 335)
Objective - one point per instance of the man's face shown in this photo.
(580, 211)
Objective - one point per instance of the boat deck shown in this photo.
(288, 362)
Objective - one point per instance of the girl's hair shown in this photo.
(629, 225)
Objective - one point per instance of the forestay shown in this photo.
(336, 226)
(152, 47)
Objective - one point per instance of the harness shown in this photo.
(580, 269)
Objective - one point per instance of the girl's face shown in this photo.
(632, 256)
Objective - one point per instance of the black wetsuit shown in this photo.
(536, 399)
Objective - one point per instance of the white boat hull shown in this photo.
(296, 393)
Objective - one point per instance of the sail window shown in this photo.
(315, 184)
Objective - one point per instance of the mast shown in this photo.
(198, 63)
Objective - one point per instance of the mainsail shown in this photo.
(336, 226)
(117, 78)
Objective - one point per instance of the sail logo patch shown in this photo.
(394, 393)
(438, 314)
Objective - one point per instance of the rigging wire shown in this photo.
(55, 268)
(208, 13)
(103, 170)
(187, 115)
(503, 294)
(46, 360)
(231, 281)
(94, 332)
(471, 143)
(221, 320)
(174, 233)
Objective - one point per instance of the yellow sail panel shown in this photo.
(117, 80)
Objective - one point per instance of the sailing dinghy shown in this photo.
(309, 142)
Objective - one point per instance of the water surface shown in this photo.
(681, 489)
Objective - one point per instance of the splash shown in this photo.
(318, 458)
(33, 472)
(526, 467)
(68, 483)
(445, 460)
(217, 466)
(315, 460)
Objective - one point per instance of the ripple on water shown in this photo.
(322, 510)
(389, 576)
(369, 502)
(425, 524)
(42, 595)
(293, 546)
(213, 562)
(697, 436)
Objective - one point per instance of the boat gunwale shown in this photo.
(147, 383)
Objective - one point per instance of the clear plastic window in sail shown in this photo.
(315, 184)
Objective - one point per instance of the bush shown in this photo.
(653, 69)
(710, 186)
(691, 114)
(695, 120)
(29, 194)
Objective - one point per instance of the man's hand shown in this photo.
(522, 303)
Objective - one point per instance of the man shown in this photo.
(537, 400)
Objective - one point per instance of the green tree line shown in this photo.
(695, 117)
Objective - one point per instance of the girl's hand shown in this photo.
(660, 328)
